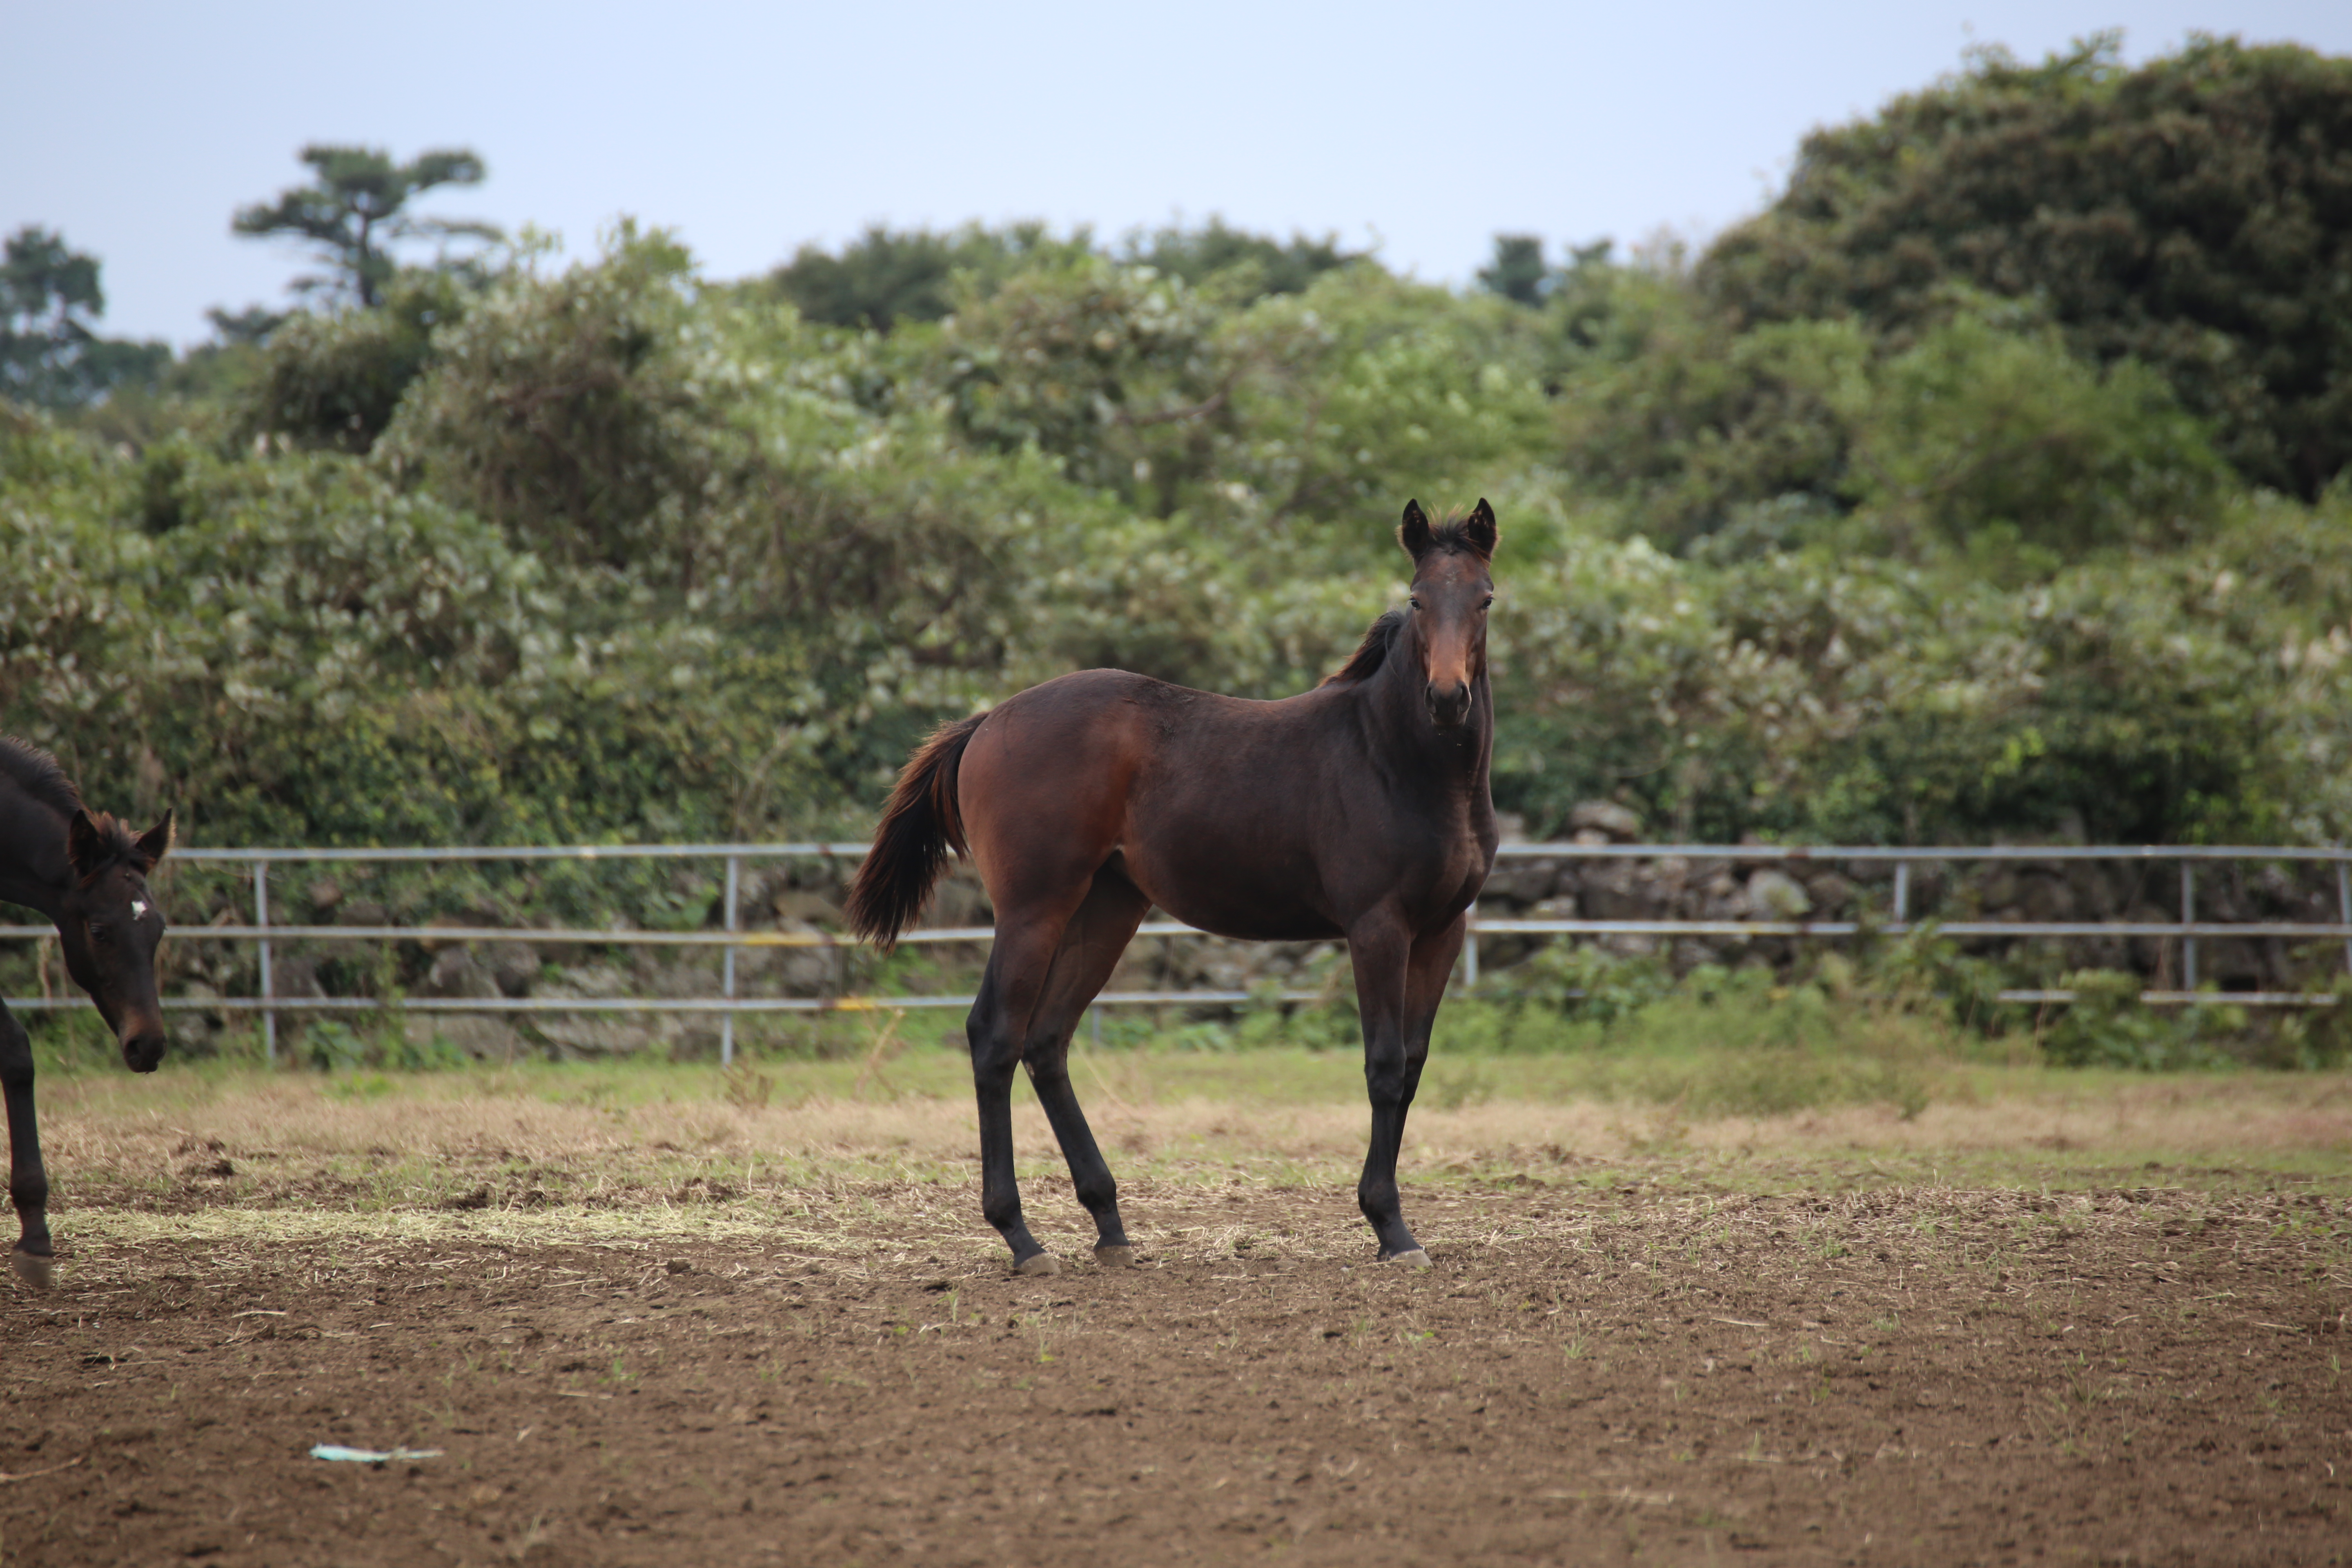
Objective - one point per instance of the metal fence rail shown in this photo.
(731, 939)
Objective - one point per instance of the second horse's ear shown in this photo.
(1478, 529)
(156, 842)
(1413, 532)
(85, 846)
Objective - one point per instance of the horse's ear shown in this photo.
(1478, 529)
(1413, 532)
(156, 842)
(85, 845)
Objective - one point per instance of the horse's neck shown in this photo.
(1449, 763)
(32, 854)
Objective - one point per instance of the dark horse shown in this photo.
(1358, 810)
(87, 874)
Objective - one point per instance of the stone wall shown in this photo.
(1702, 887)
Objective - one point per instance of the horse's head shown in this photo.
(108, 926)
(1452, 588)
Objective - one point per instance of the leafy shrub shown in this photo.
(1585, 984)
(2108, 1026)
(887, 277)
(1096, 364)
(565, 410)
(1999, 443)
(336, 381)
(1719, 1043)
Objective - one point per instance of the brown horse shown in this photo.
(1358, 810)
(87, 874)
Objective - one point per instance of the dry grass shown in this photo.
(635, 1137)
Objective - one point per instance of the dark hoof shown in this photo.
(39, 1272)
(1119, 1256)
(1042, 1263)
(1416, 1258)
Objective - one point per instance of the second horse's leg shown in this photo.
(1091, 945)
(28, 1182)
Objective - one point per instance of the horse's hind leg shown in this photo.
(28, 1182)
(1091, 945)
(1020, 967)
(993, 1029)
(1025, 996)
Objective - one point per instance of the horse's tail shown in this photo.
(923, 820)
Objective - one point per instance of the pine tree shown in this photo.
(354, 213)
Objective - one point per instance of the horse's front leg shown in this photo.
(1427, 969)
(1396, 998)
(28, 1182)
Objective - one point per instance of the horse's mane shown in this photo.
(1371, 652)
(38, 774)
(41, 778)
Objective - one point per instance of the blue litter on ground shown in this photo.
(371, 1455)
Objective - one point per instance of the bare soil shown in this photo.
(1619, 1367)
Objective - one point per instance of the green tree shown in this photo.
(50, 354)
(567, 409)
(2194, 213)
(1242, 266)
(888, 276)
(336, 381)
(1108, 368)
(250, 326)
(354, 213)
(1703, 431)
(2001, 443)
(1518, 272)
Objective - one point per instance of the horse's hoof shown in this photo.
(1043, 1263)
(39, 1272)
(1119, 1256)
(1416, 1258)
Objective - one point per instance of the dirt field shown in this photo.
(726, 1329)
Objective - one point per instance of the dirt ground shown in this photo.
(1615, 1359)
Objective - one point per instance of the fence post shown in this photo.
(2188, 917)
(1902, 892)
(1470, 948)
(2344, 907)
(726, 1019)
(268, 990)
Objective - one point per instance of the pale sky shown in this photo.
(1424, 129)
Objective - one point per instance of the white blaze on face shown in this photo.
(138, 908)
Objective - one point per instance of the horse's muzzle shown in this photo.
(143, 1050)
(1448, 706)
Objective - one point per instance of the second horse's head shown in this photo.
(109, 924)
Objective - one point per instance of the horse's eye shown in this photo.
(1414, 601)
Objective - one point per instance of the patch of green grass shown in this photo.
(1740, 1071)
